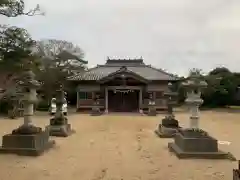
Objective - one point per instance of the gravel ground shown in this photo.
(122, 147)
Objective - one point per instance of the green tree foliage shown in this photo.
(220, 71)
(15, 49)
(181, 92)
(222, 87)
(15, 43)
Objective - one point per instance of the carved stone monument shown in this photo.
(194, 142)
(27, 139)
(59, 125)
(169, 125)
(151, 106)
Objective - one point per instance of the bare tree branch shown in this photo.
(59, 61)
(14, 8)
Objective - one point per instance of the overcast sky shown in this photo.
(174, 35)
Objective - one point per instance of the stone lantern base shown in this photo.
(168, 128)
(152, 111)
(96, 111)
(236, 172)
(26, 143)
(189, 143)
(59, 127)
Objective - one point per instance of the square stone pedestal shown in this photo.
(168, 128)
(152, 111)
(236, 174)
(60, 130)
(26, 145)
(166, 132)
(96, 112)
(196, 144)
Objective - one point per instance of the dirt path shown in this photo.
(121, 148)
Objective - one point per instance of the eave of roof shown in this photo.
(146, 71)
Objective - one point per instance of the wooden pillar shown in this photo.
(77, 99)
(154, 95)
(140, 99)
(93, 97)
(106, 100)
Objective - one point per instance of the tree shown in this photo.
(222, 87)
(219, 71)
(15, 55)
(14, 8)
(15, 44)
(181, 91)
(59, 60)
(15, 49)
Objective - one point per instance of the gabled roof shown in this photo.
(136, 66)
(121, 72)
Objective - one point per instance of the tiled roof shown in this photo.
(146, 71)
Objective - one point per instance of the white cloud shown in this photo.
(171, 34)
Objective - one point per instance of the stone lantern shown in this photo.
(151, 106)
(59, 125)
(194, 142)
(29, 86)
(96, 110)
(193, 87)
(171, 100)
(27, 139)
(169, 125)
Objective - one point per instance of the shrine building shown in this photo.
(122, 85)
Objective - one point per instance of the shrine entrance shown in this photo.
(123, 91)
(123, 100)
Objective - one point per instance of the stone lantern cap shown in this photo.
(170, 92)
(194, 82)
(28, 80)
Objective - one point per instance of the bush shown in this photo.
(4, 106)
(42, 106)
